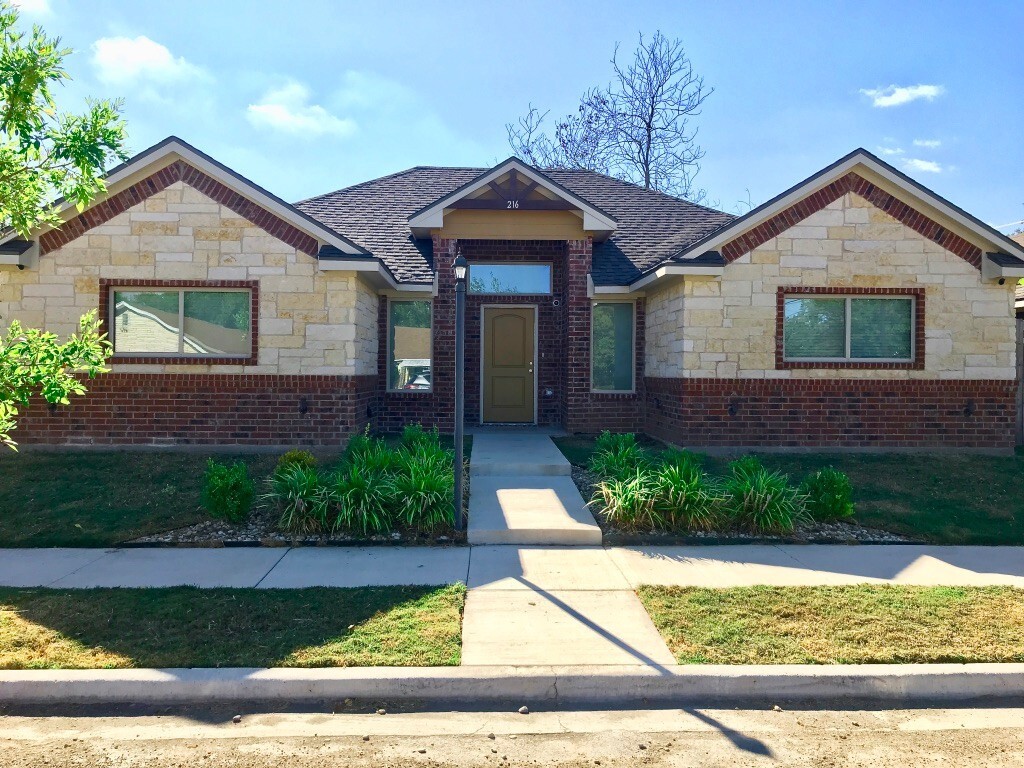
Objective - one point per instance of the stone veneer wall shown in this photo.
(712, 373)
(725, 327)
(314, 377)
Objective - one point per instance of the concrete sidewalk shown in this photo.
(508, 568)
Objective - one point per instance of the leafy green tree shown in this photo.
(46, 155)
(34, 361)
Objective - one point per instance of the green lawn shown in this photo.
(939, 498)
(839, 625)
(101, 498)
(189, 627)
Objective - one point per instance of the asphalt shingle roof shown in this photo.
(375, 214)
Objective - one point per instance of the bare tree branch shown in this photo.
(638, 128)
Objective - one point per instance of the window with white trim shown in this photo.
(409, 345)
(182, 322)
(828, 328)
(612, 353)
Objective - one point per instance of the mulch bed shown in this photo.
(808, 533)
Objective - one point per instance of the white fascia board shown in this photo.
(433, 217)
(21, 260)
(992, 271)
(174, 148)
(799, 193)
(676, 270)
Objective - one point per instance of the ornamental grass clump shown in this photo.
(629, 500)
(227, 491)
(618, 456)
(362, 499)
(829, 495)
(424, 487)
(760, 500)
(686, 498)
(302, 498)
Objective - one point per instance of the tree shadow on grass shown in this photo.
(192, 627)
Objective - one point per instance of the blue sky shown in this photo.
(305, 97)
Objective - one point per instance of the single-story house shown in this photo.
(856, 309)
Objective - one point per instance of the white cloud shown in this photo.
(890, 151)
(927, 143)
(925, 166)
(127, 60)
(33, 7)
(897, 95)
(287, 109)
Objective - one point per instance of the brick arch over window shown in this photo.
(858, 185)
(109, 207)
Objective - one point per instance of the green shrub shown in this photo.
(424, 488)
(302, 498)
(761, 500)
(227, 491)
(829, 495)
(630, 500)
(683, 459)
(296, 457)
(363, 499)
(685, 497)
(414, 438)
(618, 456)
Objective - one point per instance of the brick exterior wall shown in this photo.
(141, 409)
(824, 413)
(563, 338)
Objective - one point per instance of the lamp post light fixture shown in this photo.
(460, 267)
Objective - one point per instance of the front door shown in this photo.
(509, 355)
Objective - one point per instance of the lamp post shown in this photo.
(460, 267)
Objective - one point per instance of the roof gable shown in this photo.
(174, 160)
(862, 173)
(512, 185)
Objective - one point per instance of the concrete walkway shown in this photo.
(521, 492)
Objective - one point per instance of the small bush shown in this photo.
(829, 495)
(608, 442)
(630, 500)
(686, 498)
(424, 488)
(301, 497)
(296, 458)
(414, 438)
(618, 456)
(227, 491)
(363, 499)
(761, 500)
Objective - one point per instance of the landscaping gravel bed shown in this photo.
(807, 533)
(261, 530)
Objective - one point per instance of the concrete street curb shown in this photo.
(535, 686)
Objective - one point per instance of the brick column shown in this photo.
(444, 333)
(579, 254)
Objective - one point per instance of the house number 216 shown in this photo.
(512, 205)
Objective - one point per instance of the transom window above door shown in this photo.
(514, 279)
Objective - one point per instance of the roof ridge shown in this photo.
(351, 187)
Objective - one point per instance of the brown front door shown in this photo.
(509, 355)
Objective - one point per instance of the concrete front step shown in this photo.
(511, 453)
(537, 509)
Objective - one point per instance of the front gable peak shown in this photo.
(512, 186)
